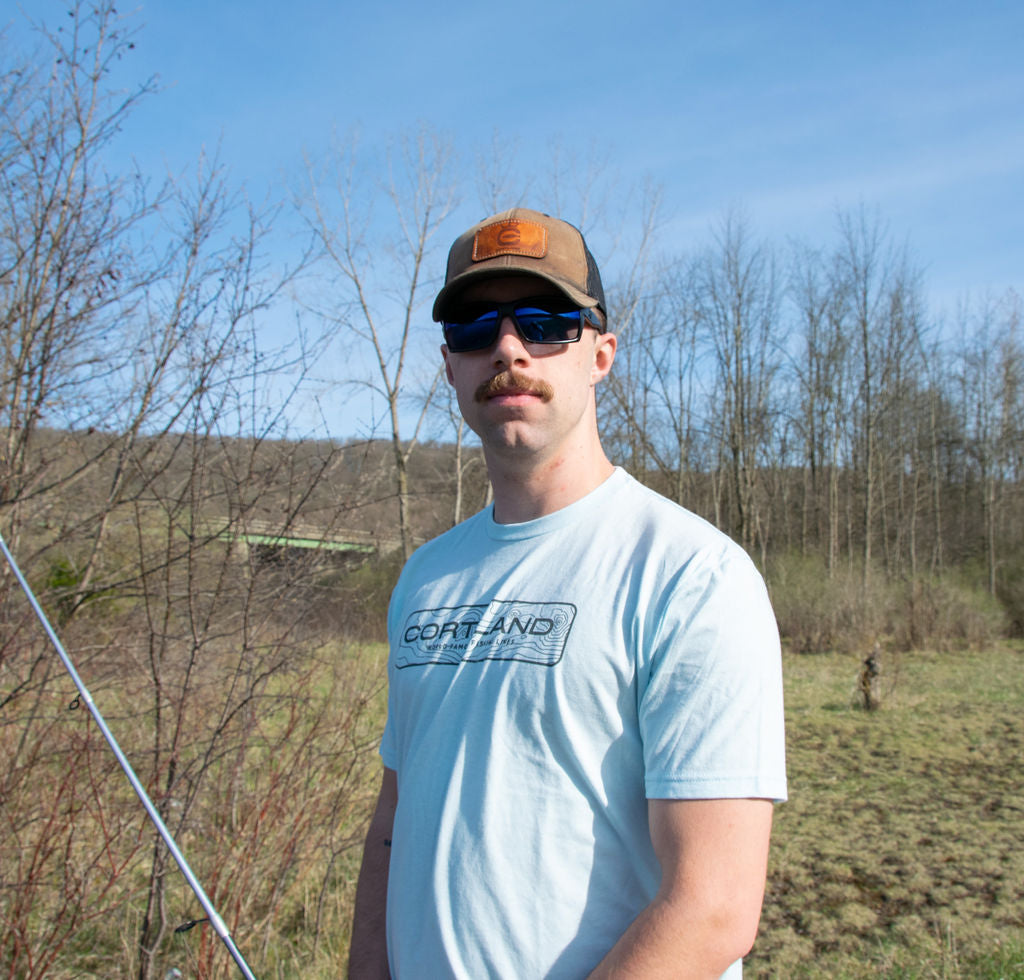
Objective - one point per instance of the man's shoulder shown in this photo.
(657, 515)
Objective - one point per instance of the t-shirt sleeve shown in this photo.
(710, 702)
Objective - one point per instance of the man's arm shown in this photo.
(368, 953)
(714, 858)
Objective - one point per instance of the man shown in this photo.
(584, 733)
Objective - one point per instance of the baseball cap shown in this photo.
(517, 242)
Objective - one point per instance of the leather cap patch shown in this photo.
(512, 237)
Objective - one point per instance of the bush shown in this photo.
(354, 602)
(944, 613)
(818, 612)
(1010, 590)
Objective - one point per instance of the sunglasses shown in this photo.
(540, 320)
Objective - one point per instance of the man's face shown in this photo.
(523, 397)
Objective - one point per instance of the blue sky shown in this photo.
(787, 110)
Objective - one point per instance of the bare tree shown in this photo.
(140, 413)
(655, 387)
(819, 365)
(68, 240)
(991, 381)
(376, 267)
(883, 325)
(740, 310)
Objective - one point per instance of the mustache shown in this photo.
(510, 383)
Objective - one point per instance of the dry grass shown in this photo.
(899, 853)
(273, 831)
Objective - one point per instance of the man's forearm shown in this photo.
(713, 856)
(368, 956)
(664, 942)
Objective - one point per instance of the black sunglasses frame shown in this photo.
(587, 316)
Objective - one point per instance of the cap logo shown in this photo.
(512, 237)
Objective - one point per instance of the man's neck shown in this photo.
(525, 491)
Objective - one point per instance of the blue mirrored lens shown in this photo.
(545, 327)
(474, 335)
(472, 329)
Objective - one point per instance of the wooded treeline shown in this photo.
(152, 406)
(803, 396)
(807, 401)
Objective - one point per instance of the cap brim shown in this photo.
(508, 268)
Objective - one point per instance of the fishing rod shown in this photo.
(154, 815)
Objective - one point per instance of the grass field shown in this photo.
(900, 853)
(901, 850)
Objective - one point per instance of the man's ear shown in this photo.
(605, 345)
(447, 366)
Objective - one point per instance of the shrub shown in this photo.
(817, 611)
(943, 613)
(354, 602)
(1010, 591)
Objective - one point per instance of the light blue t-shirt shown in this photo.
(546, 680)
